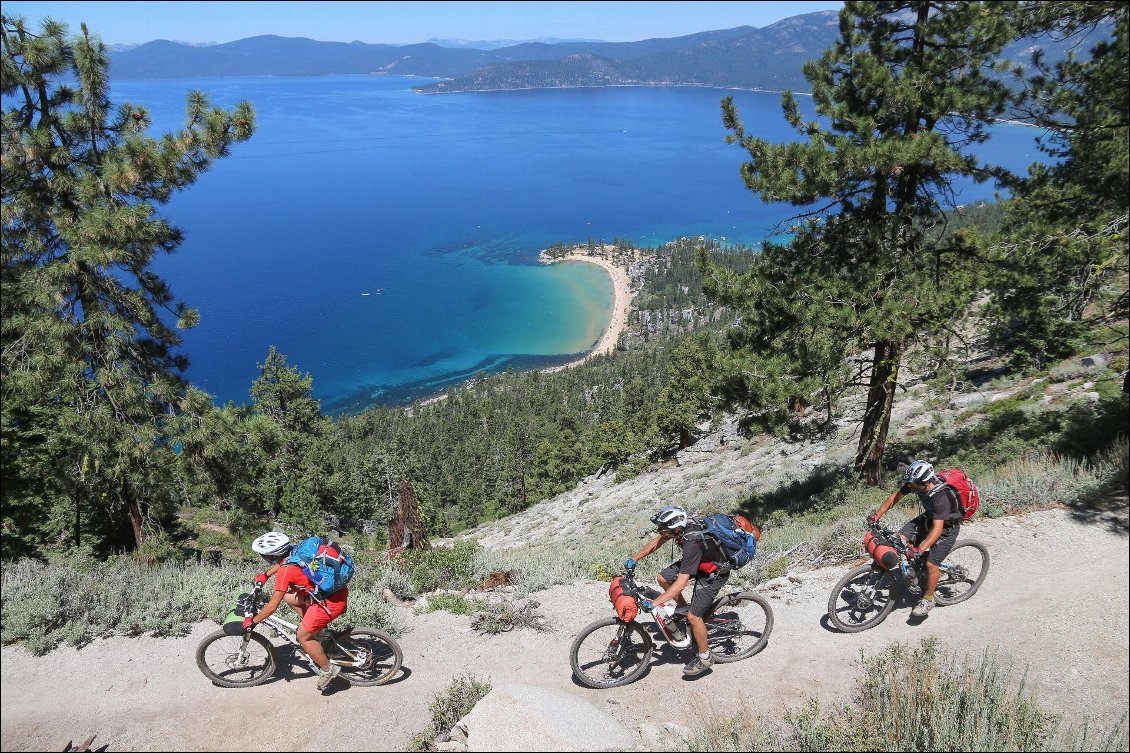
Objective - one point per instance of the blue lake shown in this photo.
(436, 207)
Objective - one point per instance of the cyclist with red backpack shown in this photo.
(935, 530)
(294, 586)
(702, 560)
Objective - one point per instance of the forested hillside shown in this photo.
(106, 446)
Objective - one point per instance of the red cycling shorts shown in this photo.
(320, 614)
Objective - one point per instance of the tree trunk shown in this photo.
(78, 519)
(135, 520)
(877, 415)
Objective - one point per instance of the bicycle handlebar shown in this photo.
(893, 537)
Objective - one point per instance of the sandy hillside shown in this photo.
(1054, 601)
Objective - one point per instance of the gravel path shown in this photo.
(1054, 601)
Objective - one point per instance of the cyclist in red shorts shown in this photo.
(292, 585)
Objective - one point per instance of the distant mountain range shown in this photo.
(494, 44)
(743, 57)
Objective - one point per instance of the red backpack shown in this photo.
(967, 491)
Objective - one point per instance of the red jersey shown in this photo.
(291, 578)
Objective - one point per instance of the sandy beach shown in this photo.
(622, 296)
(621, 303)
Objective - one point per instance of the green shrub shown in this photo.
(912, 700)
(601, 571)
(776, 568)
(454, 603)
(449, 706)
(441, 567)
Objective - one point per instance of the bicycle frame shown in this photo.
(288, 631)
(918, 569)
(639, 593)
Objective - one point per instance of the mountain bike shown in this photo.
(865, 596)
(233, 658)
(609, 653)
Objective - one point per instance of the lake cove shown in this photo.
(387, 241)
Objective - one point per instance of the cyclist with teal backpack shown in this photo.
(300, 580)
(704, 560)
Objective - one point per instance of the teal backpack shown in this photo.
(736, 543)
(324, 562)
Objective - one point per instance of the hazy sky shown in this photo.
(404, 22)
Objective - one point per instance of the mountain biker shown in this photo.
(934, 531)
(702, 560)
(292, 585)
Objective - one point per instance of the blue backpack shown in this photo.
(324, 562)
(736, 544)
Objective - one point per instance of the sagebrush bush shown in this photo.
(915, 700)
(76, 599)
(449, 706)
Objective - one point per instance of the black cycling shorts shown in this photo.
(706, 587)
(916, 530)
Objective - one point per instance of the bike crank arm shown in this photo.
(347, 663)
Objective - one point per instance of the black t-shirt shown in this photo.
(697, 549)
(940, 503)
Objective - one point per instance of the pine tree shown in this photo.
(295, 440)
(1061, 262)
(91, 376)
(902, 96)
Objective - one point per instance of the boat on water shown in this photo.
(365, 294)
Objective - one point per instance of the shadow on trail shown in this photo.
(294, 667)
(1109, 507)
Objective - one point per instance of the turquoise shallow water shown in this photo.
(356, 185)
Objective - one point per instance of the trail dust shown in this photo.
(1054, 602)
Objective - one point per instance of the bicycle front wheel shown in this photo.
(232, 661)
(366, 656)
(862, 599)
(962, 572)
(738, 626)
(609, 653)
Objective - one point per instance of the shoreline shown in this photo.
(622, 296)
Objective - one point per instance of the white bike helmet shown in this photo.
(272, 545)
(671, 516)
(918, 472)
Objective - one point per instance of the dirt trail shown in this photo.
(1055, 600)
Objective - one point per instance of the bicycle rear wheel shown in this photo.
(366, 656)
(738, 626)
(609, 653)
(862, 599)
(963, 571)
(229, 662)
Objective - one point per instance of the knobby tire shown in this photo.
(635, 633)
(883, 581)
(940, 595)
(384, 658)
(764, 623)
(268, 668)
